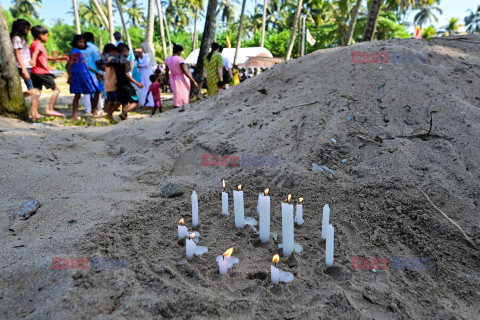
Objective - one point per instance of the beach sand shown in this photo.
(100, 190)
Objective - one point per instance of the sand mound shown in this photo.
(367, 123)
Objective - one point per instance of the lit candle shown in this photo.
(287, 227)
(329, 245)
(299, 212)
(238, 207)
(275, 272)
(227, 259)
(223, 263)
(194, 209)
(265, 217)
(224, 200)
(182, 229)
(325, 220)
(190, 246)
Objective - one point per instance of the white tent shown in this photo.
(243, 55)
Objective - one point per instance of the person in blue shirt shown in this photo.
(91, 56)
(131, 57)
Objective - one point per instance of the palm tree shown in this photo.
(353, 21)
(264, 21)
(135, 15)
(78, 30)
(371, 25)
(101, 12)
(294, 30)
(240, 29)
(426, 13)
(125, 29)
(162, 31)
(11, 96)
(196, 7)
(111, 27)
(207, 39)
(150, 25)
(254, 22)
(227, 8)
(472, 21)
(178, 14)
(25, 8)
(451, 28)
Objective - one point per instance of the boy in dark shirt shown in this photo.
(125, 91)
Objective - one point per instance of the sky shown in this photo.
(54, 9)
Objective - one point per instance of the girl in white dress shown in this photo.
(145, 66)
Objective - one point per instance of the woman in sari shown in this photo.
(214, 67)
(176, 71)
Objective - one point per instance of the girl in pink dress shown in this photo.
(180, 77)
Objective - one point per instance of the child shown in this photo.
(109, 57)
(222, 86)
(125, 91)
(155, 89)
(40, 74)
(79, 77)
(20, 31)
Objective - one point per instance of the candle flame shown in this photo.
(223, 183)
(300, 199)
(239, 187)
(289, 198)
(228, 253)
(192, 235)
(276, 258)
(182, 221)
(266, 191)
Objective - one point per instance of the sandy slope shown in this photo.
(109, 180)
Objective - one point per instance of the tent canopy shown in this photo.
(243, 55)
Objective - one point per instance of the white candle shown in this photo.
(274, 271)
(260, 196)
(223, 265)
(224, 200)
(299, 212)
(287, 228)
(182, 230)
(325, 220)
(190, 247)
(275, 274)
(194, 209)
(264, 217)
(239, 208)
(329, 245)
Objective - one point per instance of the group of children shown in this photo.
(113, 67)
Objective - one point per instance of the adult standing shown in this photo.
(145, 66)
(91, 56)
(119, 39)
(214, 68)
(227, 68)
(180, 77)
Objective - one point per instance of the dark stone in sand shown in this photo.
(172, 190)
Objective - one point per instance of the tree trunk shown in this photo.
(195, 31)
(150, 23)
(372, 19)
(102, 15)
(240, 30)
(162, 31)
(207, 37)
(294, 30)
(299, 43)
(353, 21)
(11, 95)
(264, 21)
(127, 35)
(78, 30)
(111, 24)
(167, 28)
